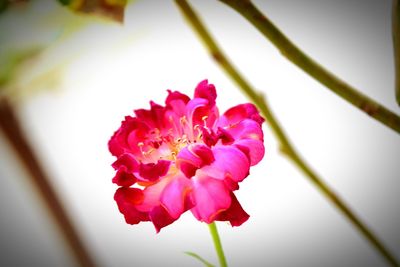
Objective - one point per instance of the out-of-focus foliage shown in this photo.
(112, 9)
(13, 61)
(4, 4)
(36, 45)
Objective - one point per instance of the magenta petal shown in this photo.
(153, 117)
(255, 148)
(241, 112)
(211, 196)
(176, 96)
(175, 196)
(234, 214)
(229, 162)
(246, 129)
(208, 136)
(206, 91)
(127, 199)
(123, 178)
(225, 137)
(127, 160)
(153, 171)
(194, 157)
(191, 108)
(160, 218)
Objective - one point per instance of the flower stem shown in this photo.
(217, 244)
(318, 72)
(396, 45)
(285, 145)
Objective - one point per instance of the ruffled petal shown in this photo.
(193, 157)
(174, 96)
(128, 161)
(160, 218)
(154, 117)
(229, 162)
(153, 171)
(234, 214)
(254, 148)
(124, 178)
(245, 129)
(127, 199)
(206, 91)
(175, 197)
(249, 138)
(210, 196)
(240, 112)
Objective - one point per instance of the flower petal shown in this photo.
(248, 134)
(175, 197)
(206, 91)
(124, 178)
(174, 96)
(153, 171)
(239, 113)
(234, 214)
(245, 129)
(153, 117)
(127, 199)
(229, 162)
(255, 148)
(210, 196)
(193, 157)
(160, 218)
(128, 161)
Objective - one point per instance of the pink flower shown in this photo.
(184, 156)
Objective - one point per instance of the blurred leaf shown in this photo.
(13, 61)
(194, 255)
(112, 9)
(4, 4)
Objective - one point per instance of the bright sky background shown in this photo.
(107, 70)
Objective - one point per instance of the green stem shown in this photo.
(307, 64)
(217, 244)
(285, 145)
(396, 46)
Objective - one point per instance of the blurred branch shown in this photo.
(112, 9)
(307, 64)
(13, 132)
(285, 144)
(396, 46)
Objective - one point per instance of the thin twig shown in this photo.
(11, 127)
(396, 46)
(307, 64)
(285, 144)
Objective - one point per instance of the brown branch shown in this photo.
(280, 135)
(11, 127)
(396, 46)
(318, 72)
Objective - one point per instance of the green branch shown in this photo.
(285, 144)
(396, 46)
(299, 58)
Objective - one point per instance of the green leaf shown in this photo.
(194, 255)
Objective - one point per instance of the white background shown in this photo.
(112, 69)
